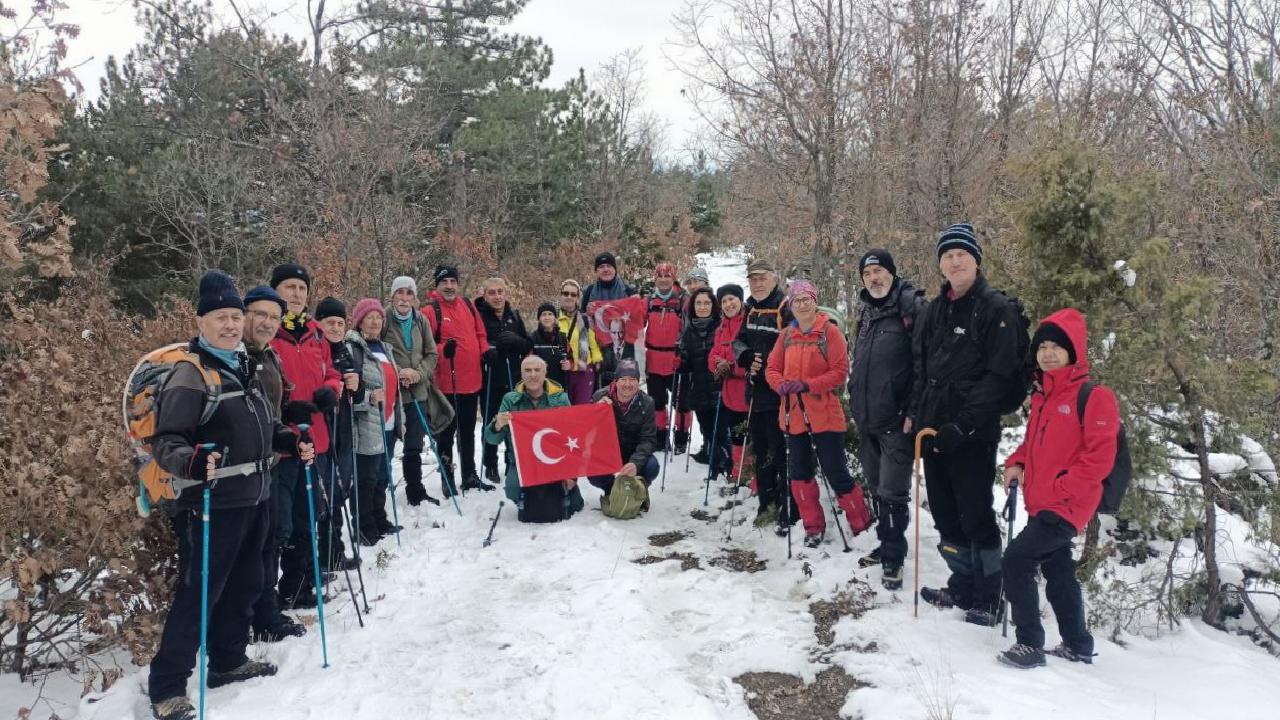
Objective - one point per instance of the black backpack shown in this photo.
(1018, 391)
(1116, 483)
(435, 306)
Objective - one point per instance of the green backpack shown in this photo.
(626, 498)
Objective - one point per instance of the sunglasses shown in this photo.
(566, 293)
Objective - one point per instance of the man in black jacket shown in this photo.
(509, 342)
(637, 428)
(608, 285)
(966, 366)
(879, 393)
(231, 454)
(767, 314)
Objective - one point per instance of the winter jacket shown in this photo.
(966, 359)
(880, 376)
(267, 373)
(421, 354)
(615, 290)
(552, 347)
(371, 428)
(553, 395)
(340, 440)
(695, 350)
(243, 428)
(583, 348)
(733, 391)
(307, 366)
(1066, 460)
(457, 321)
(664, 321)
(764, 322)
(800, 355)
(507, 333)
(637, 426)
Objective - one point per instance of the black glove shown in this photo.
(325, 399)
(450, 348)
(491, 356)
(511, 343)
(298, 412)
(950, 437)
(198, 465)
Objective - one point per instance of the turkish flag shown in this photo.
(565, 443)
(625, 316)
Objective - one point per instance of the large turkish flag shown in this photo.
(625, 317)
(564, 443)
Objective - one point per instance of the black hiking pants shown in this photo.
(960, 487)
(1045, 543)
(463, 428)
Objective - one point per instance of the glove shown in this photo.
(510, 342)
(450, 348)
(198, 465)
(950, 437)
(793, 387)
(491, 356)
(298, 412)
(325, 399)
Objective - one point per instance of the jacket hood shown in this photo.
(552, 387)
(1070, 321)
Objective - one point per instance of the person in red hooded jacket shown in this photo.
(1060, 465)
(312, 385)
(733, 391)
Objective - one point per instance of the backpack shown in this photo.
(1116, 483)
(544, 504)
(626, 497)
(1016, 394)
(789, 339)
(140, 407)
(435, 306)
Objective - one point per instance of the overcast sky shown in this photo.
(581, 34)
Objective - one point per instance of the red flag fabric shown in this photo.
(564, 443)
(626, 316)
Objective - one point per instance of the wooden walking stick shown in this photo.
(918, 470)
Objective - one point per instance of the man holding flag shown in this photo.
(548, 449)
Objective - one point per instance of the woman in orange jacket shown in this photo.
(809, 363)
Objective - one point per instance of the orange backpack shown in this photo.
(140, 407)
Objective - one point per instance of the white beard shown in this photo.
(879, 293)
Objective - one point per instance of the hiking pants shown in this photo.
(464, 428)
(372, 489)
(236, 537)
(296, 572)
(886, 464)
(769, 445)
(415, 436)
(267, 607)
(960, 489)
(1045, 543)
(648, 473)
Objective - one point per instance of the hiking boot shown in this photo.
(491, 476)
(891, 577)
(986, 618)
(813, 540)
(871, 559)
(369, 538)
(344, 563)
(283, 627)
(415, 493)
(937, 597)
(174, 708)
(702, 456)
(682, 443)
(766, 516)
(1067, 653)
(388, 528)
(472, 482)
(247, 671)
(304, 600)
(1023, 657)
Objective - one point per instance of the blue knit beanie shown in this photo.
(962, 236)
(218, 291)
(264, 292)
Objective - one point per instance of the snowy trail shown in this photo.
(559, 622)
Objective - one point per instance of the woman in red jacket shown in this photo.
(733, 391)
(1066, 454)
(809, 363)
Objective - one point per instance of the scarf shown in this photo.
(230, 358)
(406, 327)
(293, 322)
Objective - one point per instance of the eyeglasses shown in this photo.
(803, 300)
(566, 293)
(260, 315)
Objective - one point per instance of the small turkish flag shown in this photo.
(625, 317)
(565, 443)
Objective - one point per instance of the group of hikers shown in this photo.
(315, 396)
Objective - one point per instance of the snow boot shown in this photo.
(1066, 653)
(702, 457)
(415, 493)
(682, 443)
(809, 506)
(473, 483)
(388, 528)
(280, 628)
(813, 540)
(174, 708)
(871, 559)
(983, 616)
(247, 671)
(937, 597)
(491, 476)
(891, 577)
(304, 600)
(1023, 657)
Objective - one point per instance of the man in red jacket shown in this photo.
(664, 323)
(312, 385)
(1066, 454)
(460, 336)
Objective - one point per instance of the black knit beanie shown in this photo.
(1051, 332)
(218, 291)
(730, 289)
(289, 270)
(330, 307)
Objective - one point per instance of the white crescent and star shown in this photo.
(541, 454)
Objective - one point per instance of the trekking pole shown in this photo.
(204, 587)
(733, 504)
(1010, 509)
(444, 472)
(489, 538)
(666, 435)
(315, 550)
(351, 587)
(353, 530)
(711, 459)
(332, 547)
(359, 572)
(680, 413)
(386, 455)
(831, 491)
(920, 436)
